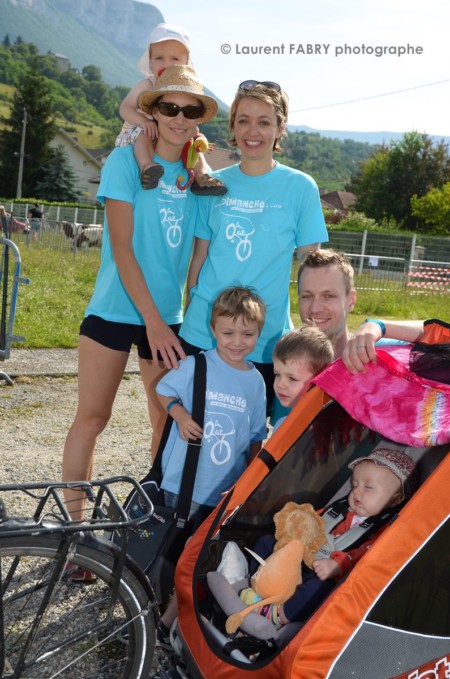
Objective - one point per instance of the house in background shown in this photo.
(218, 158)
(340, 201)
(84, 163)
(63, 61)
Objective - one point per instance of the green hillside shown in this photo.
(87, 108)
(63, 34)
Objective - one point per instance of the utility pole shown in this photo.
(21, 154)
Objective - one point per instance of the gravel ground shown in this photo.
(38, 408)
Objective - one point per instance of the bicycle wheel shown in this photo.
(87, 630)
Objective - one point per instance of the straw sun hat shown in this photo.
(179, 79)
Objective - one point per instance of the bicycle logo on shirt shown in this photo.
(239, 234)
(217, 427)
(174, 231)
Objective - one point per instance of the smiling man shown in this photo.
(327, 294)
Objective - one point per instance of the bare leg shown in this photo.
(150, 172)
(201, 166)
(143, 150)
(100, 371)
(151, 373)
(171, 611)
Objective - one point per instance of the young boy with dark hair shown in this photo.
(299, 356)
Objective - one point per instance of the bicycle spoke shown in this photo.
(85, 630)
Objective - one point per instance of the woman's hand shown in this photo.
(163, 340)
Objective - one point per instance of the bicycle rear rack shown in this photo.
(51, 513)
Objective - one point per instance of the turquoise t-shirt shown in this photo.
(164, 220)
(253, 231)
(235, 417)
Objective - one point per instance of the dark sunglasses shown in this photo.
(249, 84)
(172, 110)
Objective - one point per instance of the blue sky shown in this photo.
(336, 71)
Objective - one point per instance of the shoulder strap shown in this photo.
(353, 538)
(156, 468)
(194, 446)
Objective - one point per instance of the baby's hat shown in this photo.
(397, 461)
(163, 32)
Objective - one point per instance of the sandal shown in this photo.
(150, 175)
(205, 185)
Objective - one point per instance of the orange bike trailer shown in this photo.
(390, 617)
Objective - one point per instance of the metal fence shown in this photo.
(57, 213)
(387, 261)
(411, 263)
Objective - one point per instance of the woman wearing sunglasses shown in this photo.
(147, 241)
(248, 236)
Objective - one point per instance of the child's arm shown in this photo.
(326, 569)
(187, 427)
(346, 561)
(128, 110)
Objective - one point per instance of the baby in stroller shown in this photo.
(380, 482)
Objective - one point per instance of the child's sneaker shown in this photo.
(150, 175)
(205, 185)
(163, 637)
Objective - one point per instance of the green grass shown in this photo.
(50, 309)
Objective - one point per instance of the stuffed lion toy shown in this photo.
(300, 522)
(299, 532)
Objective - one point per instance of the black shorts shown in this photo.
(119, 336)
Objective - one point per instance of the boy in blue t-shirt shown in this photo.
(235, 411)
(235, 420)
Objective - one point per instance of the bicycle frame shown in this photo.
(51, 516)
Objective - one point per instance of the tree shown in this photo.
(58, 182)
(92, 73)
(390, 178)
(434, 209)
(32, 95)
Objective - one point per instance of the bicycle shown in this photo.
(52, 626)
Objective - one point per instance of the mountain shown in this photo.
(110, 34)
(368, 137)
